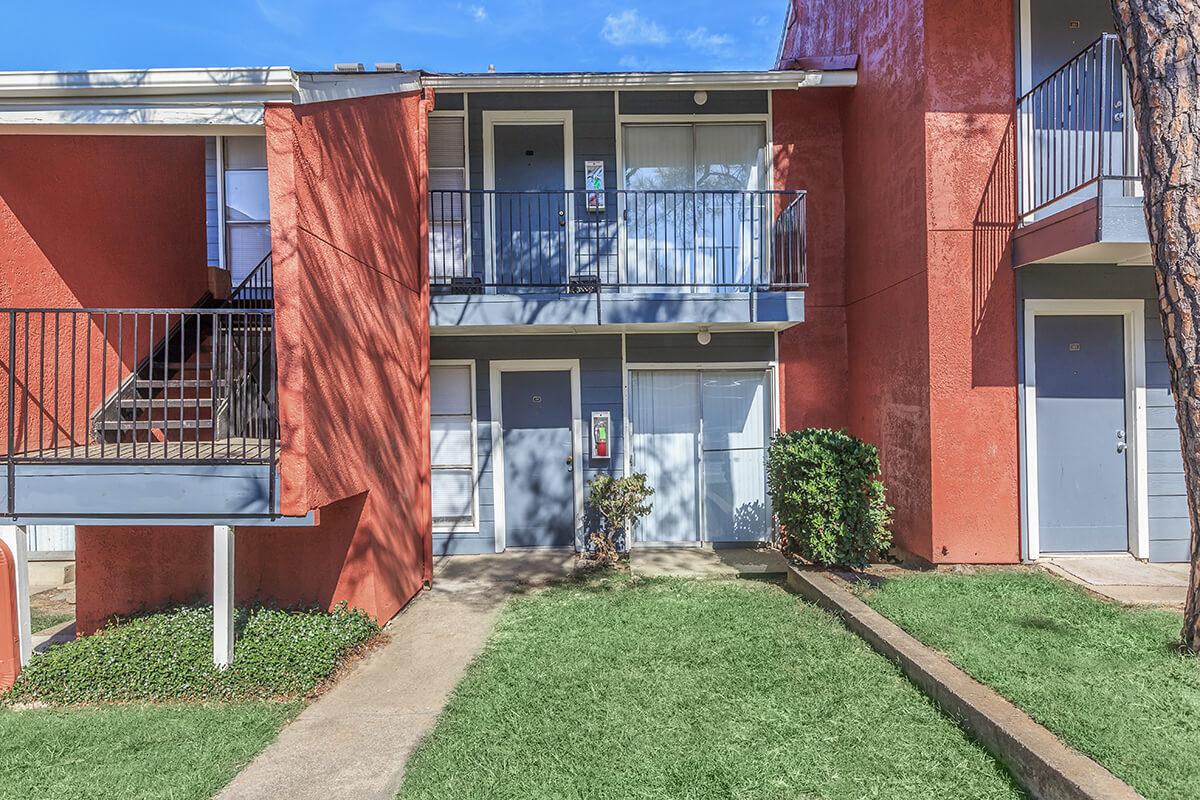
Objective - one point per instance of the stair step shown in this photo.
(177, 383)
(159, 403)
(120, 425)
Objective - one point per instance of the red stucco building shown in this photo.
(330, 326)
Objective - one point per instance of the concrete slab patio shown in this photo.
(1125, 579)
(707, 562)
(353, 742)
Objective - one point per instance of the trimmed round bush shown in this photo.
(167, 656)
(827, 496)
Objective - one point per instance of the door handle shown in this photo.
(570, 463)
(1122, 445)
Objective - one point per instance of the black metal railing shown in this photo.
(257, 289)
(1075, 130)
(98, 386)
(616, 239)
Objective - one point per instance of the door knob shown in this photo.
(1122, 445)
(570, 463)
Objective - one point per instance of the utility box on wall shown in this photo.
(601, 435)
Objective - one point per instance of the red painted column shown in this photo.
(10, 643)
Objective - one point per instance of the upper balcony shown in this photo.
(125, 413)
(1079, 196)
(622, 256)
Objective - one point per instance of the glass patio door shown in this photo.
(701, 438)
(693, 218)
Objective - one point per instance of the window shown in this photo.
(247, 205)
(447, 184)
(707, 156)
(452, 445)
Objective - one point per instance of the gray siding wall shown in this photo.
(1169, 531)
(211, 212)
(683, 347)
(719, 102)
(600, 390)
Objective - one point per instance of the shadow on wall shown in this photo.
(992, 280)
(353, 320)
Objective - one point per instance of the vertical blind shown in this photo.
(452, 411)
(247, 205)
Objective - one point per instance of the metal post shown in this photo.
(223, 599)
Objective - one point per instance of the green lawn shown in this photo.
(1105, 678)
(142, 752)
(689, 689)
(40, 620)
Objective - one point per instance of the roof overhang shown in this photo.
(527, 81)
(213, 101)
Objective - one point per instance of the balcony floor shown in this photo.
(224, 450)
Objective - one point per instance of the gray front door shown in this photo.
(1081, 461)
(530, 205)
(539, 498)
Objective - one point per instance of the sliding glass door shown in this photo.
(701, 436)
(693, 214)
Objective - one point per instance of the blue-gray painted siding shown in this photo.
(449, 101)
(157, 493)
(616, 308)
(600, 390)
(211, 211)
(718, 102)
(685, 348)
(1169, 527)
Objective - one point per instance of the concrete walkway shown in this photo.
(353, 742)
(706, 562)
(1125, 579)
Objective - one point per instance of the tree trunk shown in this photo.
(1161, 41)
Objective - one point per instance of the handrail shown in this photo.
(580, 240)
(258, 287)
(1074, 131)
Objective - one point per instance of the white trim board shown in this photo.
(474, 526)
(1133, 314)
(496, 369)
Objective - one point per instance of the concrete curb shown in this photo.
(1040, 762)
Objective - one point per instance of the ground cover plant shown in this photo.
(1109, 680)
(167, 656)
(671, 688)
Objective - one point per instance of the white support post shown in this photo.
(16, 538)
(222, 595)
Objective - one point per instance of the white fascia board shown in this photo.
(110, 83)
(768, 79)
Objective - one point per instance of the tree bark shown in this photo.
(1161, 43)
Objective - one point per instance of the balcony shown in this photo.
(124, 413)
(1079, 179)
(615, 257)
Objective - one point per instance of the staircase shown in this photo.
(209, 377)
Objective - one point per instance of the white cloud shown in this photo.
(478, 13)
(629, 27)
(701, 39)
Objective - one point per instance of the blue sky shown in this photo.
(441, 36)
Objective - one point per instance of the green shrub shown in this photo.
(617, 503)
(167, 656)
(827, 496)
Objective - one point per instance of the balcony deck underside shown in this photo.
(766, 309)
(1089, 232)
(56, 487)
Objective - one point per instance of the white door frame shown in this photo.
(496, 369)
(770, 404)
(1132, 313)
(490, 119)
